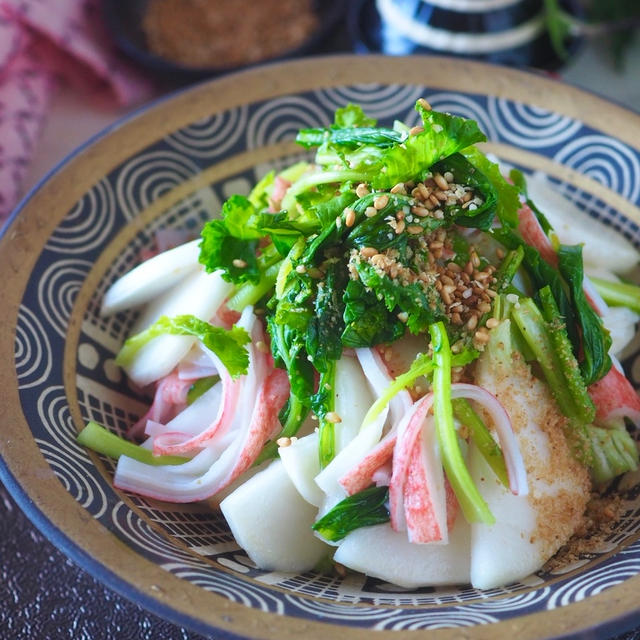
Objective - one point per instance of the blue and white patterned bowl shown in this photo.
(509, 32)
(171, 165)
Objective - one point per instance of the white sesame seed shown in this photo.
(381, 202)
(238, 263)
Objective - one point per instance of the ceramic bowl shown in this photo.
(171, 165)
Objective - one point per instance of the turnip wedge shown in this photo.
(529, 529)
(381, 552)
(151, 278)
(272, 522)
(200, 295)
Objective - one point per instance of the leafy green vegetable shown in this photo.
(99, 439)
(614, 452)
(367, 322)
(349, 137)
(596, 341)
(480, 216)
(219, 249)
(363, 509)
(508, 200)
(352, 115)
(227, 344)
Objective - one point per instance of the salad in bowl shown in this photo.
(397, 358)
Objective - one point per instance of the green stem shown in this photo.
(99, 439)
(296, 412)
(532, 327)
(618, 294)
(482, 438)
(248, 294)
(473, 506)
(563, 349)
(327, 428)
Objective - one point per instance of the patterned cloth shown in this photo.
(41, 43)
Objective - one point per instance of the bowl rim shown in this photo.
(614, 610)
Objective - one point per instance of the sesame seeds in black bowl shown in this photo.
(193, 39)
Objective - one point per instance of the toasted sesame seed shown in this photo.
(424, 104)
(399, 188)
(472, 323)
(349, 217)
(362, 190)
(381, 202)
(441, 182)
(500, 253)
(416, 130)
(492, 323)
(368, 252)
(333, 417)
(283, 442)
(481, 337)
(400, 227)
(454, 267)
(421, 212)
(414, 229)
(238, 263)
(425, 192)
(262, 346)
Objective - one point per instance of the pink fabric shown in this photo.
(42, 42)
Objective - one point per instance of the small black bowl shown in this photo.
(124, 22)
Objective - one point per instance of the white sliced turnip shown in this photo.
(151, 278)
(272, 522)
(380, 552)
(199, 294)
(302, 464)
(529, 529)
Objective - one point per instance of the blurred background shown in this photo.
(70, 68)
